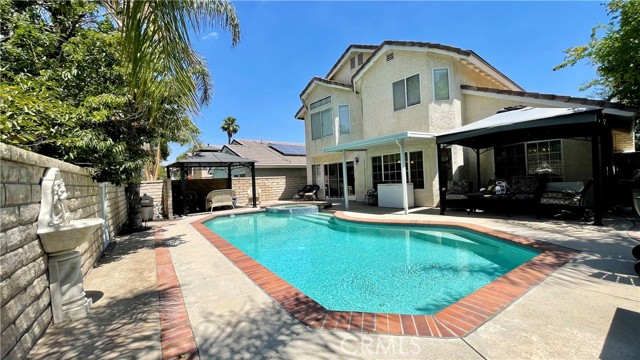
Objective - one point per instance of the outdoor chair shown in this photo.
(372, 197)
(563, 197)
(250, 195)
(312, 193)
(457, 194)
(301, 192)
(219, 198)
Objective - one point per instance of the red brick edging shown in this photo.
(176, 335)
(457, 320)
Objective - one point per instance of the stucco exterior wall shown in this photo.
(24, 286)
(345, 73)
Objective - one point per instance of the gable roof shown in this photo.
(320, 81)
(467, 57)
(346, 54)
(266, 157)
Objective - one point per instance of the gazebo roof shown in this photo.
(211, 159)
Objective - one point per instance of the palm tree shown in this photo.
(156, 45)
(230, 127)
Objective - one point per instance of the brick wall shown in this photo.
(273, 187)
(24, 287)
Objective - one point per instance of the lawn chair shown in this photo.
(250, 195)
(312, 193)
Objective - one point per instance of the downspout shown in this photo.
(403, 169)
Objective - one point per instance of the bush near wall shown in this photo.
(24, 287)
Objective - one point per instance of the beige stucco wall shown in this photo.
(345, 72)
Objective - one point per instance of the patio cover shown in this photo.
(530, 124)
(364, 145)
(213, 159)
(511, 126)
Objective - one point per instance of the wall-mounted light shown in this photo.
(356, 159)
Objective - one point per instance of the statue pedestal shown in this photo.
(68, 301)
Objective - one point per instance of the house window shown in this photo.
(543, 155)
(321, 124)
(532, 158)
(406, 92)
(345, 123)
(387, 169)
(441, 84)
(319, 103)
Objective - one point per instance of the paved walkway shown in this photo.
(182, 292)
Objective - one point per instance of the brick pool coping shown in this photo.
(457, 320)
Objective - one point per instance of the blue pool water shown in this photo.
(372, 268)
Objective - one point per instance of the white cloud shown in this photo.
(212, 35)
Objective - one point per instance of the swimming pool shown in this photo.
(372, 268)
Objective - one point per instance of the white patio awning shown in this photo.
(363, 145)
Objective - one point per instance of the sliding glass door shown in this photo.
(334, 179)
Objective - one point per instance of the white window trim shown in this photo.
(349, 110)
(406, 95)
(433, 82)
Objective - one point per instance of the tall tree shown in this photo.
(614, 49)
(230, 127)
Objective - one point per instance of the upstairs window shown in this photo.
(317, 104)
(321, 124)
(344, 121)
(441, 84)
(406, 92)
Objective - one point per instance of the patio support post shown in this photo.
(229, 181)
(344, 180)
(596, 156)
(403, 170)
(253, 183)
(442, 180)
(478, 168)
(183, 189)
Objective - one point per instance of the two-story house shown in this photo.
(380, 104)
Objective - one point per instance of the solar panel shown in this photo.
(292, 150)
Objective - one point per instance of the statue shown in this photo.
(60, 215)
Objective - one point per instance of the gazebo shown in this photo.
(212, 160)
(531, 124)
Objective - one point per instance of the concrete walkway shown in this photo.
(589, 308)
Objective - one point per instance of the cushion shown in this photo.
(458, 187)
(457, 197)
(524, 185)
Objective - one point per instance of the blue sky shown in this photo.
(285, 44)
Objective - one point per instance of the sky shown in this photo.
(284, 44)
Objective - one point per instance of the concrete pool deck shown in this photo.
(588, 308)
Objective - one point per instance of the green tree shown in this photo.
(230, 127)
(614, 50)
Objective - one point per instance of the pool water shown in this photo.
(348, 266)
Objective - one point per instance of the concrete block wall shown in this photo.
(272, 187)
(25, 302)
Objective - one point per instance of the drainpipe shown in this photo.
(403, 169)
(344, 180)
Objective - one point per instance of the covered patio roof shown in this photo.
(526, 123)
(363, 145)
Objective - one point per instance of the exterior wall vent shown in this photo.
(390, 56)
(353, 62)
(360, 58)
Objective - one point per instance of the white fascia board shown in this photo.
(318, 83)
(553, 103)
(386, 139)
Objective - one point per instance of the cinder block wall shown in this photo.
(25, 302)
(272, 187)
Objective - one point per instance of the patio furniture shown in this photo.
(524, 192)
(457, 193)
(300, 195)
(574, 197)
(311, 193)
(250, 195)
(372, 197)
(219, 198)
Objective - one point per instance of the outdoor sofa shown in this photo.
(219, 198)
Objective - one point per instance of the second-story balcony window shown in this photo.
(406, 92)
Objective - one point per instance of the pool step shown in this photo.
(316, 218)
